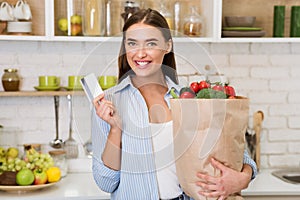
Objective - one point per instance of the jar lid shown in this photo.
(10, 70)
(57, 152)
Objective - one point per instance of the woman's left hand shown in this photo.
(229, 182)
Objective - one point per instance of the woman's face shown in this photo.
(145, 49)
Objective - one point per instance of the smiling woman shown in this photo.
(133, 151)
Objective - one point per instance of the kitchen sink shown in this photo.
(288, 175)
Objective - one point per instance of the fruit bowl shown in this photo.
(23, 189)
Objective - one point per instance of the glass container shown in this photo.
(60, 161)
(10, 80)
(93, 17)
(177, 17)
(167, 14)
(193, 23)
(68, 17)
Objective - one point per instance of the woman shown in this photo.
(126, 162)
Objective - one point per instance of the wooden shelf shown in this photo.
(39, 93)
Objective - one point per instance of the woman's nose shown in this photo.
(141, 52)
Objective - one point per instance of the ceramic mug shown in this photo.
(107, 81)
(74, 81)
(6, 12)
(22, 10)
(49, 81)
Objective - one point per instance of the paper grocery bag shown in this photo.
(206, 128)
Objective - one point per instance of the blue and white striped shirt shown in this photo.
(137, 178)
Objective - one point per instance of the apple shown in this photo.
(76, 19)
(63, 24)
(76, 29)
(40, 177)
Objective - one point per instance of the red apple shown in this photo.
(40, 177)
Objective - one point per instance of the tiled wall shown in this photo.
(269, 74)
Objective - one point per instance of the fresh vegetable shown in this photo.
(186, 92)
(209, 93)
(229, 90)
(218, 87)
(206, 90)
(173, 93)
(204, 84)
(195, 87)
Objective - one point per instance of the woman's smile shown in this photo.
(142, 64)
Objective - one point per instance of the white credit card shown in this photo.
(91, 86)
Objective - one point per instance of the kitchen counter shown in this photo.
(73, 186)
(82, 186)
(265, 184)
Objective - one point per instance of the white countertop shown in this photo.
(265, 184)
(73, 186)
(82, 186)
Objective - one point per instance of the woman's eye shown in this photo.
(151, 44)
(131, 44)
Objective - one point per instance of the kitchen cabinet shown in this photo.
(46, 13)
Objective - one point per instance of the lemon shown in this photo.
(25, 177)
(53, 174)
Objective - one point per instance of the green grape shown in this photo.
(18, 168)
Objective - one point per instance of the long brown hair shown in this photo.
(155, 19)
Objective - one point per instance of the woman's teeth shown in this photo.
(142, 63)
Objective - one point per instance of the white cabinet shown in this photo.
(45, 20)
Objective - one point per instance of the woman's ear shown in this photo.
(169, 46)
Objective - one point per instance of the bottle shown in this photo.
(93, 17)
(193, 24)
(278, 21)
(108, 18)
(168, 15)
(10, 80)
(177, 17)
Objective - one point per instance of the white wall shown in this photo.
(266, 73)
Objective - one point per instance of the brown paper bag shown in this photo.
(205, 128)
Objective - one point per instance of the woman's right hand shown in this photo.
(106, 111)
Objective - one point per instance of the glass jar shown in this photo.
(10, 80)
(167, 14)
(93, 17)
(193, 24)
(59, 158)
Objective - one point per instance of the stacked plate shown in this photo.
(241, 26)
(19, 27)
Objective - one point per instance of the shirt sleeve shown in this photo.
(106, 178)
(249, 161)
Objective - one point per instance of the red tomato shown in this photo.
(203, 84)
(229, 90)
(231, 97)
(218, 87)
(194, 87)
